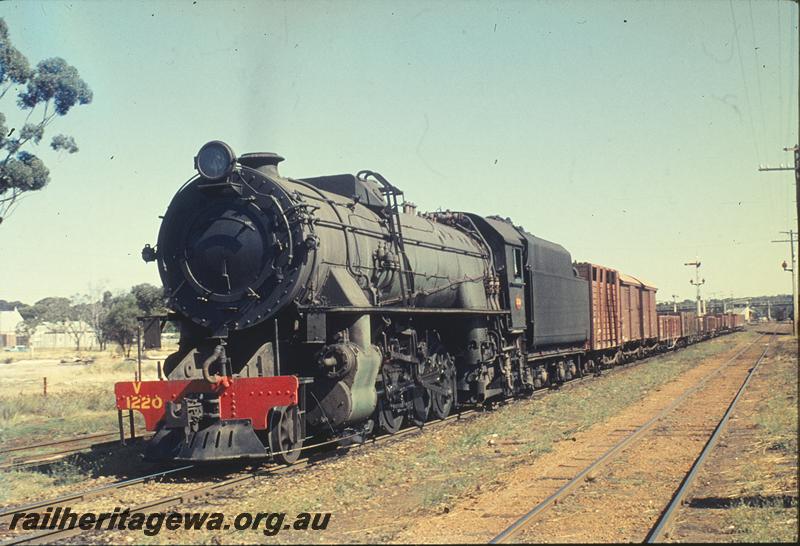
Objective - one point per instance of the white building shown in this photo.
(741, 308)
(58, 335)
(9, 320)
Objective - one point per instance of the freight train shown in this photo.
(328, 307)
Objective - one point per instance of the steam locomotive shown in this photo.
(328, 307)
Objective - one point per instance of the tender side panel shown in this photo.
(558, 297)
(244, 398)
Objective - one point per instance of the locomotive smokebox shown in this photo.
(232, 251)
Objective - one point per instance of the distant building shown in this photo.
(58, 335)
(742, 308)
(9, 320)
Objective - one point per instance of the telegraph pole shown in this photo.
(698, 283)
(791, 240)
(796, 150)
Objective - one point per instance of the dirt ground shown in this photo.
(469, 479)
(462, 482)
(747, 490)
(618, 502)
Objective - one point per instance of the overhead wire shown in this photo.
(784, 123)
(792, 102)
(759, 67)
(744, 83)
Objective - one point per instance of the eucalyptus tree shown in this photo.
(43, 93)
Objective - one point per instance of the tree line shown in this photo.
(111, 318)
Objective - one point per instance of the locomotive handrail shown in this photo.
(420, 310)
(282, 214)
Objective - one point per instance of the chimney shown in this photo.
(409, 208)
(264, 162)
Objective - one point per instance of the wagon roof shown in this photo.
(630, 279)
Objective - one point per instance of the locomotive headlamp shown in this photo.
(215, 160)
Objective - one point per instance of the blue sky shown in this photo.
(629, 132)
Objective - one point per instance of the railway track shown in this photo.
(83, 438)
(85, 444)
(190, 494)
(616, 449)
(182, 497)
(659, 531)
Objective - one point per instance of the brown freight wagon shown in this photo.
(649, 314)
(605, 324)
(669, 327)
(630, 308)
(689, 326)
(637, 309)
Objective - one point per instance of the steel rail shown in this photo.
(615, 449)
(656, 533)
(92, 493)
(58, 442)
(179, 498)
(53, 456)
(49, 536)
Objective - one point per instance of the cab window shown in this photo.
(517, 263)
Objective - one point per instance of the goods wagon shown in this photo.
(709, 324)
(605, 331)
(637, 310)
(649, 315)
(689, 326)
(669, 327)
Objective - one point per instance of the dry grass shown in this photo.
(772, 472)
(80, 400)
(772, 522)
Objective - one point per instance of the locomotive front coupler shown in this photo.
(217, 356)
(193, 412)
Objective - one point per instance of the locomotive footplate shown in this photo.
(199, 421)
